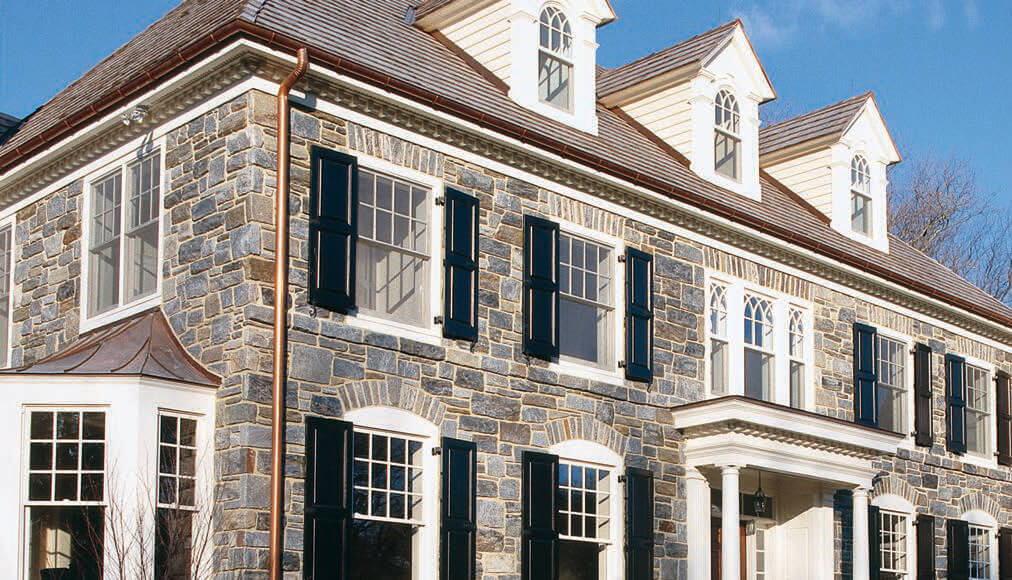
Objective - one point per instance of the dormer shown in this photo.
(544, 52)
(702, 98)
(836, 159)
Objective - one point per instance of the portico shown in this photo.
(760, 484)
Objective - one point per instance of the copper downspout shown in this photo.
(281, 315)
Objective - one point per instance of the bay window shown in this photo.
(123, 239)
(176, 490)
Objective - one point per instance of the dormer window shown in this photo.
(555, 59)
(727, 136)
(860, 196)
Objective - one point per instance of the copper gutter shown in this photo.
(281, 315)
(243, 29)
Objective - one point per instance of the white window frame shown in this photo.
(429, 332)
(10, 222)
(866, 193)
(400, 423)
(736, 290)
(796, 314)
(589, 453)
(988, 379)
(727, 133)
(981, 519)
(988, 458)
(611, 374)
(907, 344)
(121, 164)
(559, 55)
(713, 337)
(178, 446)
(898, 505)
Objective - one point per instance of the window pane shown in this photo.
(553, 81)
(382, 550)
(758, 375)
(42, 425)
(892, 383)
(585, 332)
(63, 543)
(173, 544)
(978, 410)
(860, 216)
(726, 154)
(797, 385)
(718, 367)
(103, 267)
(579, 560)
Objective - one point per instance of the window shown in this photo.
(584, 520)
(5, 293)
(759, 551)
(860, 196)
(978, 411)
(980, 552)
(555, 66)
(796, 350)
(123, 244)
(586, 306)
(759, 355)
(892, 356)
(177, 472)
(393, 254)
(893, 545)
(718, 339)
(387, 501)
(727, 136)
(66, 488)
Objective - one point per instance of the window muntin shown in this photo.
(978, 410)
(718, 340)
(122, 269)
(586, 306)
(980, 553)
(727, 136)
(860, 195)
(759, 354)
(893, 545)
(892, 357)
(393, 253)
(760, 552)
(177, 461)
(584, 519)
(555, 54)
(796, 351)
(5, 293)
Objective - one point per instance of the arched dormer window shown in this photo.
(727, 136)
(555, 59)
(860, 196)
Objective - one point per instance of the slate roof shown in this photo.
(828, 120)
(690, 51)
(373, 42)
(141, 345)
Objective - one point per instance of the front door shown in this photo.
(716, 540)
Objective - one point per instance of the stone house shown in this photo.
(544, 320)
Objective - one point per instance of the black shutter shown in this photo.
(925, 547)
(922, 396)
(1005, 554)
(460, 267)
(639, 526)
(639, 316)
(540, 542)
(328, 493)
(958, 550)
(458, 529)
(865, 376)
(1004, 400)
(874, 543)
(955, 397)
(333, 229)
(541, 287)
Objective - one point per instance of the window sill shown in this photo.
(121, 312)
(583, 371)
(979, 461)
(431, 335)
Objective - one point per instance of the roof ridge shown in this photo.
(671, 48)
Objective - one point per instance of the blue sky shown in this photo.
(940, 69)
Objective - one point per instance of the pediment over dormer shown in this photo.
(543, 52)
(702, 98)
(836, 158)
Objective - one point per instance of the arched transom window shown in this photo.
(727, 136)
(718, 339)
(860, 195)
(555, 58)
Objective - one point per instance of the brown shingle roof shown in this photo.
(828, 120)
(141, 345)
(429, 6)
(690, 51)
(371, 41)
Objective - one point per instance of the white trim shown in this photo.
(989, 458)
(909, 396)
(12, 222)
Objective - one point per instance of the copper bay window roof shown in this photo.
(142, 345)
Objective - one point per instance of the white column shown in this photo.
(860, 545)
(730, 549)
(697, 493)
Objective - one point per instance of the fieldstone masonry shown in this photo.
(217, 293)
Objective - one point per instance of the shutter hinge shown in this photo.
(622, 478)
(621, 364)
(437, 320)
(621, 258)
(437, 450)
(441, 200)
